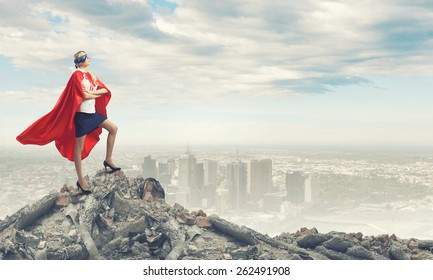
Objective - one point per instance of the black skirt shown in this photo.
(86, 123)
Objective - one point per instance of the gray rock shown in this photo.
(41, 254)
(73, 252)
(132, 227)
(73, 235)
(331, 254)
(192, 249)
(397, 253)
(312, 240)
(425, 244)
(116, 245)
(244, 253)
(121, 206)
(366, 244)
(241, 233)
(27, 238)
(339, 244)
(360, 252)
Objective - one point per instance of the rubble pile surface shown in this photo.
(114, 222)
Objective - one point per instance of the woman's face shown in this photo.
(86, 62)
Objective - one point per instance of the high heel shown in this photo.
(113, 169)
(83, 190)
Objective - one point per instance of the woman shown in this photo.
(76, 120)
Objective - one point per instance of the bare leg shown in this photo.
(79, 145)
(112, 131)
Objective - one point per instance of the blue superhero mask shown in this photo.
(80, 59)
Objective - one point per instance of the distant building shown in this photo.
(188, 176)
(273, 201)
(148, 168)
(291, 210)
(312, 188)
(132, 172)
(187, 171)
(176, 194)
(210, 173)
(237, 184)
(163, 168)
(295, 183)
(199, 175)
(259, 178)
(210, 181)
(196, 192)
(172, 166)
(166, 171)
(222, 200)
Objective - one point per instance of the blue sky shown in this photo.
(228, 72)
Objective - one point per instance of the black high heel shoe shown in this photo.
(83, 190)
(113, 169)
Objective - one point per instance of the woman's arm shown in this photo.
(99, 91)
(93, 93)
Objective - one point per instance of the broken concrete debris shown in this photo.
(118, 221)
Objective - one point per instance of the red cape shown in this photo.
(58, 125)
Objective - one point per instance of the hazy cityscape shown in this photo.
(373, 190)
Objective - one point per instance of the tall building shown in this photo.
(259, 178)
(295, 183)
(172, 166)
(312, 188)
(187, 174)
(273, 201)
(210, 173)
(222, 200)
(199, 175)
(148, 169)
(196, 192)
(162, 168)
(164, 175)
(210, 182)
(237, 184)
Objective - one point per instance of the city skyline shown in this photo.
(335, 190)
(228, 72)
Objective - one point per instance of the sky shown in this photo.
(228, 72)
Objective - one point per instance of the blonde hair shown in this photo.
(94, 78)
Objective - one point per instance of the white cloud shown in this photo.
(214, 52)
(212, 48)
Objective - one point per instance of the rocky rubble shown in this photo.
(114, 222)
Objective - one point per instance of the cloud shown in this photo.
(404, 36)
(162, 7)
(130, 17)
(321, 84)
(20, 14)
(214, 50)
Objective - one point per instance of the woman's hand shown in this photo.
(86, 93)
(93, 94)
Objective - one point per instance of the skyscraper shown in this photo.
(222, 200)
(237, 184)
(210, 181)
(148, 169)
(187, 175)
(196, 192)
(210, 173)
(312, 188)
(199, 172)
(259, 178)
(164, 175)
(187, 171)
(295, 183)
